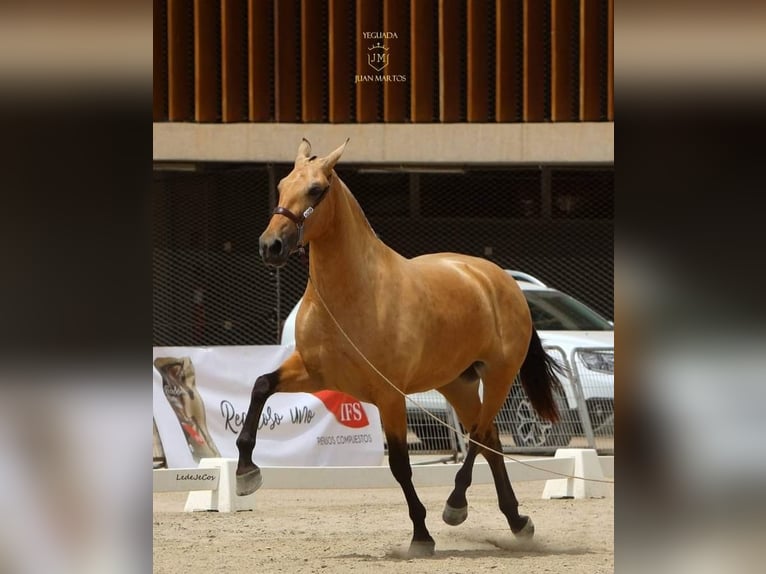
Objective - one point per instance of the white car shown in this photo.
(572, 333)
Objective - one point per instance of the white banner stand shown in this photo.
(223, 498)
(586, 465)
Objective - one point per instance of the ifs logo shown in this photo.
(377, 56)
(351, 413)
(347, 410)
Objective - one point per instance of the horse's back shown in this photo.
(456, 267)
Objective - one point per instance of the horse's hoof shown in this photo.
(421, 548)
(249, 482)
(454, 516)
(527, 531)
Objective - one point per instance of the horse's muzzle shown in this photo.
(274, 251)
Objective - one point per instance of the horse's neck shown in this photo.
(348, 253)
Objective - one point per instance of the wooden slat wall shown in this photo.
(341, 88)
(477, 61)
(563, 35)
(160, 70)
(534, 86)
(233, 60)
(421, 61)
(180, 96)
(610, 64)
(589, 84)
(312, 54)
(295, 60)
(449, 60)
(260, 20)
(366, 92)
(286, 54)
(395, 93)
(205, 69)
(508, 93)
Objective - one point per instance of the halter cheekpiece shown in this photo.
(299, 220)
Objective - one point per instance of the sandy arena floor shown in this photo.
(344, 531)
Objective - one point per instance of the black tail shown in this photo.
(539, 377)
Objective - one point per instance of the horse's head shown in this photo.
(299, 217)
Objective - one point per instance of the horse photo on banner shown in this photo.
(201, 395)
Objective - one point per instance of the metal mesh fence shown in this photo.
(209, 285)
(588, 393)
(586, 408)
(593, 370)
(211, 288)
(425, 433)
(521, 430)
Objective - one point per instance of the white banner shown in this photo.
(201, 397)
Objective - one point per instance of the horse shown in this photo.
(439, 321)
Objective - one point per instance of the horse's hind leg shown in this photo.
(290, 377)
(496, 388)
(521, 525)
(464, 396)
(394, 420)
(456, 508)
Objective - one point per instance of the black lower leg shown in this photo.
(399, 461)
(463, 479)
(262, 389)
(506, 498)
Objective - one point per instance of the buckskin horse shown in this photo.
(439, 321)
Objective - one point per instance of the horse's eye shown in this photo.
(315, 191)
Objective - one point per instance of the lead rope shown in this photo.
(466, 436)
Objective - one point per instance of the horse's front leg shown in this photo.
(394, 417)
(291, 377)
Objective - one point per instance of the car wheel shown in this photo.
(601, 412)
(529, 430)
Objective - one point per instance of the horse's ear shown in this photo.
(329, 162)
(303, 150)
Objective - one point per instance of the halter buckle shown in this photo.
(300, 234)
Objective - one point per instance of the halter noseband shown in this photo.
(299, 220)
